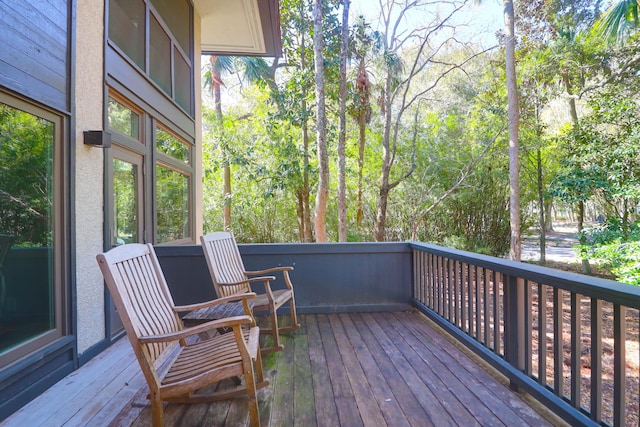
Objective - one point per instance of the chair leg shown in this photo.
(252, 397)
(294, 315)
(277, 346)
(157, 415)
(258, 368)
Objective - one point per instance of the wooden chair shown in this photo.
(176, 364)
(230, 278)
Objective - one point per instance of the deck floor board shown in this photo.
(350, 369)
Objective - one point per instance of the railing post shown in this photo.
(514, 322)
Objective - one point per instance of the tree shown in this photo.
(420, 49)
(514, 120)
(342, 135)
(254, 69)
(292, 98)
(365, 45)
(321, 125)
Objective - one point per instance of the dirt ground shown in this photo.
(561, 255)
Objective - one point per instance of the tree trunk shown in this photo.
(573, 111)
(586, 267)
(306, 191)
(342, 135)
(308, 230)
(383, 195)
(362, 87)
(321, 137)
(541, 208)
(514, 117)
(362, 125)
(300, 214)
(226, 171)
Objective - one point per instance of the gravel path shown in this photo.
(559, 245)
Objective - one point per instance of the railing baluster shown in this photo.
(432, 286)
(478, 306)
(542, 334)
(619, 365)
(416, 275)
(439, 283)
(496, 313)
(576, 350)
(471, 271)
(596, 360)
(558, 374)
(456, 292)
(450, 289)
(418, 257)
(528, 325)
(463, 295)
(485, 317)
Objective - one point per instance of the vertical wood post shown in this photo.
(514, 325)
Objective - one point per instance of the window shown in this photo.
(159, 56)
(123, 119)
(168, 59)
(173, 177)
(126, 28)
(173, 146)
(172, 198)
(31, 303)
(152, 207)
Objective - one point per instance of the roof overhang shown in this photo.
(240, 27)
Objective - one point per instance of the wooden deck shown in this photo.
(337, 370)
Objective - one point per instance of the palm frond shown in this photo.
(618, 22)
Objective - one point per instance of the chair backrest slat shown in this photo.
(225, 263)
(141, 294)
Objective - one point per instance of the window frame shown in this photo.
(146, 147)
(60, 186)
(175, 46)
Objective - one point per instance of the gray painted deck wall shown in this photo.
(327, 278)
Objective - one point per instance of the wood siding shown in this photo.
(34, 50)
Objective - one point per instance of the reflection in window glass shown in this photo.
(182, 82)
(172, 198)
(159, 56)
(176, 13)
(123, 119)
(172, 146)
(125, 202)
(26, 227)
(126, 28)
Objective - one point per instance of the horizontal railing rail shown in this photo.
(569, 340)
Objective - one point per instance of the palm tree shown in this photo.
(254, 70)
(619, 21)
(366, 43)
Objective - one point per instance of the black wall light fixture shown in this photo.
(97, 138)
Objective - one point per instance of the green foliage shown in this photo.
(616, 248)
(26, 177)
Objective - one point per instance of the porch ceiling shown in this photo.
(240, 27)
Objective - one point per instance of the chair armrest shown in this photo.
(204, 327)
(223, 300)
(269, 270)
(285, 273)
(250, 280)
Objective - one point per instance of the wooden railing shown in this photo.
(569, 340)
